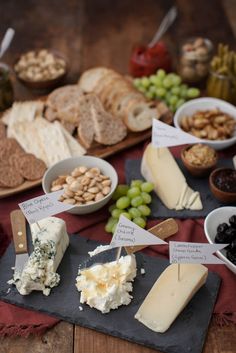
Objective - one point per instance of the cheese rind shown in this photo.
(107, 286)
(50, 243)
(169, 296)
(160, 168)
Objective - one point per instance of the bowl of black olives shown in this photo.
(220, 228)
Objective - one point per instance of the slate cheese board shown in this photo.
(159, 210)
(187, 334)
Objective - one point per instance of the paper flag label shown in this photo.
(164, 135)
(43, 206)
(128, 233)
(193, 253)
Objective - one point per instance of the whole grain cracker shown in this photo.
(10, 177)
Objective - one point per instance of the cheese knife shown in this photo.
(20, 240)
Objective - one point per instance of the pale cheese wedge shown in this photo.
(169, 296)
(159, 167)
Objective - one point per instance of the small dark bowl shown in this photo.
(45, 84)
(223, 196)
(197, 171)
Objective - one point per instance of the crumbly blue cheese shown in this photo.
(50, 243)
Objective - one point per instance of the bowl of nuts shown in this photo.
(88, 182)
(41, 69)
(199, 159)
(212, 120)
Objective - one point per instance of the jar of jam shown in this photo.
(145, 61)
(6, 88)
(194, 61)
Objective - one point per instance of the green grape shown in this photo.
(145, 82)
(136, 182)
(116, 213)
(152, 89)
(147, 186)
(127, 215)
(137, 82)
(175, 90)
(111, 221)
(137, 201)
(149, 95)
(183, 93)
(114, 227)
(142, 89)
(133, 192)
(145, 210)
(146, 198)
(121, 190)
(176, 80)
(140, 222)
(180, 102)
(167, 82)
(123, 202)
(161, 74)
(158, 82)
(134, 212)
(172, 108)
(168, 97)
(112, 207)
(161, 92)
(152, 79)
(173, 100)
(193, 92)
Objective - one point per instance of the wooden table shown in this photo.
(102, 32)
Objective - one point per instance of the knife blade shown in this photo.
(20, 240)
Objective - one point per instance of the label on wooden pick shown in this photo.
(164, 135)
(43, 206)
(128, 233)
(193, 253)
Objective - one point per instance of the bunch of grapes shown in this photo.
(166, 87)
(131, 202)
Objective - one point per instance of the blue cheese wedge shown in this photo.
(50, 243)
(107, 286)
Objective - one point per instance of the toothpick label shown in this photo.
(164, 135)
(128, 233)
(193, 253)
(43, 206)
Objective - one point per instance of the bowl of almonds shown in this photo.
(212, 120)
(87, 182)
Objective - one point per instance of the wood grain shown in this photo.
(27, 185)
(57, 340)
(18, 224)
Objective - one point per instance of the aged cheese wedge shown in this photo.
(168, 296)
(159, 167)
(50, 243)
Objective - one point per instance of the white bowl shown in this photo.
(194, 105)
(67, 165)
(214, 218)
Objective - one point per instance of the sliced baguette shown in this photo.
(90, 78)
(139, 117)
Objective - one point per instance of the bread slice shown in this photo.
(86, 127)
(139, 116)
(90, 78)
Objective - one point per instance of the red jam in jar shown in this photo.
(145, 61)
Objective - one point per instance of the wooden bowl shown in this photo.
(195, 170)
(223, 196)
(45, 84)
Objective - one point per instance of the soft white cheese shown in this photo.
(50, 243)
(99, 249)
(107, 286)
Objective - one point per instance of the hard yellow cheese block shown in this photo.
(159, 167)
(169, 296)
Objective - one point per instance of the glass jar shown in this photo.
(194, 60)
(6, 88)
(222, 87)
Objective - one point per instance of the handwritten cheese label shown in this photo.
(164, 135)
(128, 233)
(192, 253)
(43, 206)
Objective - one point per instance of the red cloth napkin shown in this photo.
(18, 321)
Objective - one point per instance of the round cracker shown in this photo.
(3, 134)
(10, 177)
(9, 146)
(32, 168)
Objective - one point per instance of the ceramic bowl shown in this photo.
(45, 84)
(195, 170)
(223, 196)
(214, 218)
(67, 165)
(207, 103)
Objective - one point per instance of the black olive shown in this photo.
(233, 246)
(221, 238)
(231, 256)
(222, 227)
(232, 221)
(230, 234)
